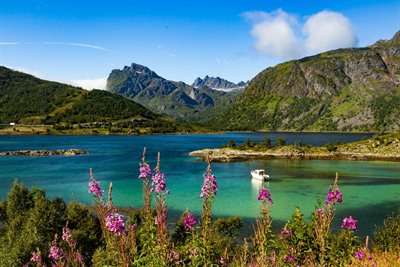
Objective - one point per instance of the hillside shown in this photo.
(343, 90)
(26, 100)
(174, 99)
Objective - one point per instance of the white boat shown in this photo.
(259, 175)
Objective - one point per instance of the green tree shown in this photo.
(280, 142)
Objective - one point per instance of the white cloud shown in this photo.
(328, 30)
(281, 35)
(274, 34)
(90, 84)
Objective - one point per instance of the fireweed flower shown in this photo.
(285, 233)
(210, 186)
(79, 257)
(115, 223)
(350, 223)
(264, 194)
(145, 171)
(289, 258)
(189, 221)
(67, 236)
(56, 252)
(320, 212)
(35, 257)
(360, 255)
(333, 196)
(158, 184)
(94, 187)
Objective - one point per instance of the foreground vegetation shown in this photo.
(36, 231)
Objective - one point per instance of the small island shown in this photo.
(385, 147)
(33, 153)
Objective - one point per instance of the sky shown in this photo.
(81, 42)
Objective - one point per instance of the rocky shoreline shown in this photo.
(231, 155)
(58, 152)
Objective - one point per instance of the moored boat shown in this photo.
(259, 175)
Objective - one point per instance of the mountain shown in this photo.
(25, 99)
(217, 83)
(174, 99)
(356, 89)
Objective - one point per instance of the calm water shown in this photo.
(371, 190)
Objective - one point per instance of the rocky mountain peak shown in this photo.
(217, 83)
(396, 38)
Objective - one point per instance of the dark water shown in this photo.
(371, 190)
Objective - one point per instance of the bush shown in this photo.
(387, 237)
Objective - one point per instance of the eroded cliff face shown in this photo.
(344, 89)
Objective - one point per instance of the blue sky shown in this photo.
(80, 42)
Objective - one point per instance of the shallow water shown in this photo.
(371, 190)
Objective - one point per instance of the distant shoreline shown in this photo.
(232, 155)
(385, 148)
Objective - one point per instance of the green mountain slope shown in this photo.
(345, 90)
(25, 99)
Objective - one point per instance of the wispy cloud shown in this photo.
(90, 84)
(57, 43)
(282, 35)
(8, 43)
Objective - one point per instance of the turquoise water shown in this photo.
(371, 190)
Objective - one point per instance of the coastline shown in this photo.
(384, 148)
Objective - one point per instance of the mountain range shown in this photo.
(218, 83)
(354, 89)
(177, 100)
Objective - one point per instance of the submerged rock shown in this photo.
(58, 152)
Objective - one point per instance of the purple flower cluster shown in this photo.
(145, 171)
(158, 184)
(79, 257)
(94, 187)
(360, 255)
(56, 252)
(265, 194)
(189, 221)
(285, 234)
(115, 223)
(67, 236)
(333, 196)
(35, 257)
(210, 186)
(349, 223)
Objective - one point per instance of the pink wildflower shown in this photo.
(145, 171)
(94, 187)
(333, 196)
(210, 186)
(115, 223)
(264, 194)
(79, 257)
(349, 223)
(36, 257)
(360, 255)
(56, 252)
(285, 234)
(67, 236)
(189, 221)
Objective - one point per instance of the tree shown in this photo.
(280, 142)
